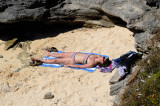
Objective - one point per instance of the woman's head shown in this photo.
(106, 62)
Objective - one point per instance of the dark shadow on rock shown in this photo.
(25, 31)
(153, 3)
(117, 21)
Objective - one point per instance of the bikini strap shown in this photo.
(73, 57)
(85, 59)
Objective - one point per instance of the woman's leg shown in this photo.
(60, 55)
(49, 61)
(54, 61)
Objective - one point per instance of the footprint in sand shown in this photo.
(97, 88)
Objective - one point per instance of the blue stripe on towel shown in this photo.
(61, 65)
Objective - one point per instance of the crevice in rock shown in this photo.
(36, 4)
(118, 21)
(3, 7)
(47, 14)
(153, 3)
(114, 19)
(135, 30)
(50, 3)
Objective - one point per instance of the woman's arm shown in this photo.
(81, 66)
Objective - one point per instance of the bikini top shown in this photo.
(84, 60)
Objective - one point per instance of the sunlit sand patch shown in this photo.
(69, 87)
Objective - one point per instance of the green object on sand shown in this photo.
(10, 43)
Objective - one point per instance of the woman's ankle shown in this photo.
(47, 53)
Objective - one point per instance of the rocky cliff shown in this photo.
(140, 16)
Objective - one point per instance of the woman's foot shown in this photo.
(47, 53)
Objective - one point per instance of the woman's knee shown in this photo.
(54, 60)
(68, 54)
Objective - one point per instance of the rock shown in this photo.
(17, 70)
(116, 77)
(134, 69)
(153, 3)
(141, 41)
(10, 43)
(1, 56)
(24, 57)
(5, 87)
(26, 46)
(136, 15)
(142, 69)
(5, 60)
(18, 45)
(23, 54)
(116, 101)
(117, 87)
(19, 12)
(48, 95)
(100, 23)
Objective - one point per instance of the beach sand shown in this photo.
(70, 87)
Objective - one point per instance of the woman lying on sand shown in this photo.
(70, 59)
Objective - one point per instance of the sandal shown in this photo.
(35, 62)
(51, 49)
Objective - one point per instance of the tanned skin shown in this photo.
(65, 59)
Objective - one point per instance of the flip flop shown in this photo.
(35, 62)
(50, 49)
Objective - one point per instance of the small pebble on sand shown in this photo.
(49, 95)
(17, 70)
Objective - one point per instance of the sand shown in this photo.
(70, 87)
